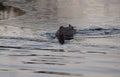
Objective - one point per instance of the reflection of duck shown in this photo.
(65, 33)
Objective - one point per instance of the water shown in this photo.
(94, 51)
(82, 13)
(7, 12)
(91, 53)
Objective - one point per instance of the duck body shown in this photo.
(65, 33)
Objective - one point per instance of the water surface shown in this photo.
(33, 51)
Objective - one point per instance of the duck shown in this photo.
(65, 33)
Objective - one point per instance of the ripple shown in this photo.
(32, 56)
(16, 47)
(30, 48)
(48, 63)
(98, 31)
(4, 70)
(58, 73)
(90, 32)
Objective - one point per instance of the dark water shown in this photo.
(7, 12)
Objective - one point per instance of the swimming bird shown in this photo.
(65, 33)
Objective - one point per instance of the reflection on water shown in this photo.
(58, 73)
(82, 13)
(9, 12)
(94, 51)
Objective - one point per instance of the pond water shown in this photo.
(82, 13)
(94, 51)
(7, 12)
